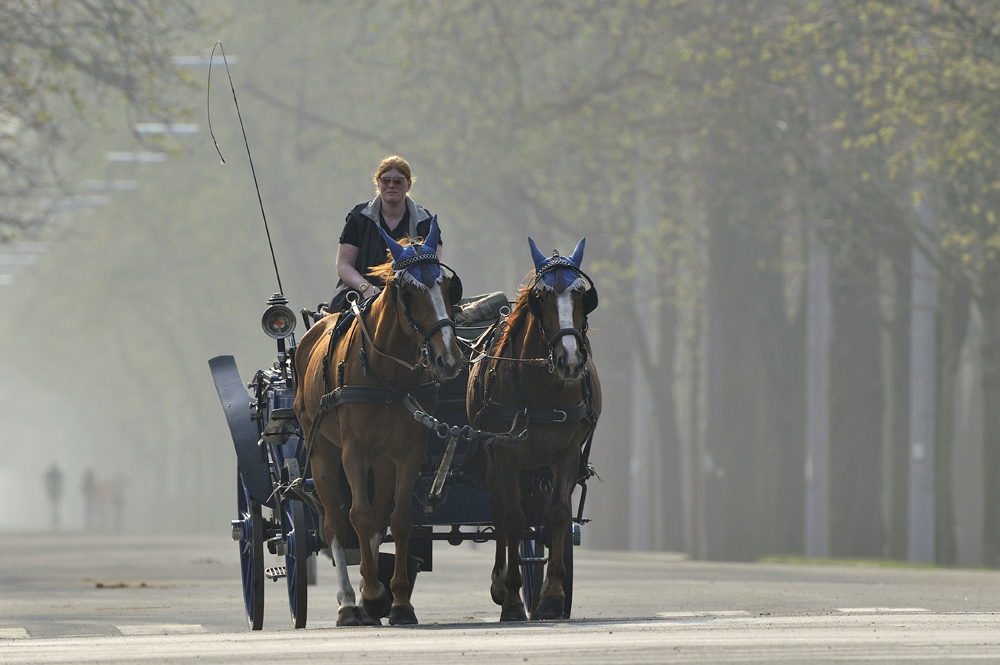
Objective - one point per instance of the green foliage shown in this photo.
(63, 66)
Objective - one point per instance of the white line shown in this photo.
(161, 629)
(13, 634)
(878, 610)
(321, 625)
(704, 613)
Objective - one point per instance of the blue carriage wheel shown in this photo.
(248, 530)
(532, 574)
(568, 546)
(297, 553)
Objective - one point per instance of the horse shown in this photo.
(538, 367)
(402, 342)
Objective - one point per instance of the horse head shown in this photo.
(425, 292)
(560, 297)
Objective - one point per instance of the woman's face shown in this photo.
(393, 186)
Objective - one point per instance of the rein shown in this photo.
(364, 331)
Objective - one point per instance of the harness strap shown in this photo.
(539, 415)
(373, 395)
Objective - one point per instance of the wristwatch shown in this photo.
(364, 287)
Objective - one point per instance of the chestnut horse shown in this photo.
(539, 367)
(349, 401)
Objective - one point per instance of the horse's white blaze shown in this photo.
(564, 304)
(441, 312)
(345, 592)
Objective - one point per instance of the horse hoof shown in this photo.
(513, 613)
(550, 608)
(378, 607)
(402, 616)
(370, 621)
(350, 616)
(498, 593)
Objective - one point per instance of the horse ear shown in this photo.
(433, 235)
(395, 249)
(577, 257)
(536, 256)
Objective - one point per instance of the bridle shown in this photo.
(589, 304)
(399, 269)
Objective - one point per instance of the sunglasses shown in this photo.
(398, 180)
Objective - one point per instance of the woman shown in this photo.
(361, 245)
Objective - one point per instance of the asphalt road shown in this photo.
(86, 599)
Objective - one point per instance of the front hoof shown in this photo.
(370, 621)
(550, 607)
(379, 607)
(350, 616)
(498, 593)
(513, 613)
(402, 616)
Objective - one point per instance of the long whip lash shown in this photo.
(218, 45)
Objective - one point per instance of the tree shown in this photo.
(61, 65)
(919, 79)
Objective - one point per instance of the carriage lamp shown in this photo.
(278, 320)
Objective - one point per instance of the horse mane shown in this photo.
(384, 271)
(519, 313)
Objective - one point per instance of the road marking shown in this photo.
(321, 624)
(13, 634)
(879, 610)
(161, 629)
(705, 613)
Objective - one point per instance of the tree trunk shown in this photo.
(989, 307)
(670, 518)
(756, 486)
(898, 490)
(856, 406)
(952, 326)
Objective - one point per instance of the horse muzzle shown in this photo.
(568, 354)
(443, 355)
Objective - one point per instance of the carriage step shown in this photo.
(275, 573)
(534, 559)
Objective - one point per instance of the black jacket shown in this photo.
(361, 227)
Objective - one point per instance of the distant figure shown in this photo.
(89, 489)
(54, 488)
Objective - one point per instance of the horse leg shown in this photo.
(407, 470)
(513, 605)
(552, 600)
(374, 597)
(500, 563)
(509, 521)
(327, 483)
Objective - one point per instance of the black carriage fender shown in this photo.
(236, 405)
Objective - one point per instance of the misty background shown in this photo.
(790, 211)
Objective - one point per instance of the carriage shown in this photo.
(277, 507)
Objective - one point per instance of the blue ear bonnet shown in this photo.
(561, 272)
(558, 272)
(419, 261)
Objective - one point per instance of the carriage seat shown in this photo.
(481, 308)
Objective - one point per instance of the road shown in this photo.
(115, 599)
